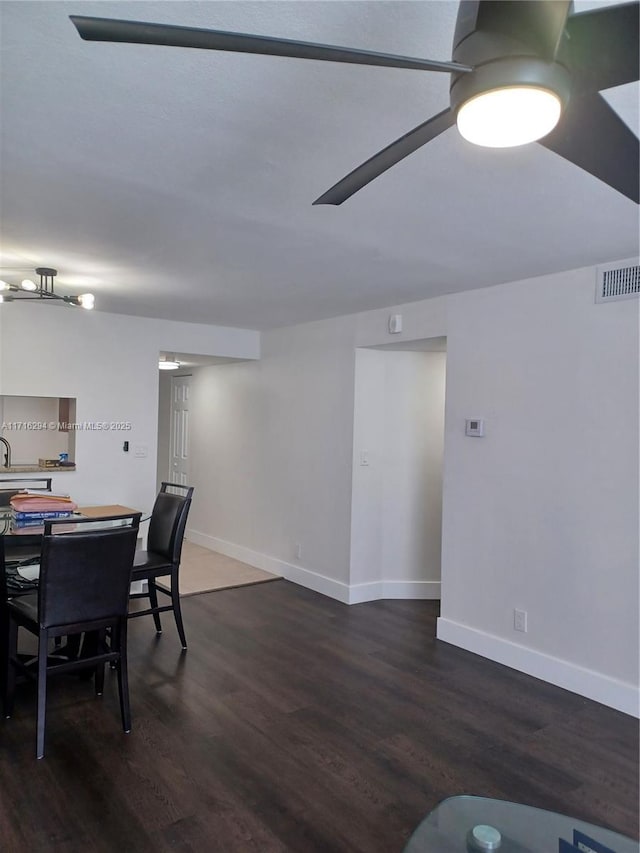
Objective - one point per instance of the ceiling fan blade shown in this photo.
(537, 23)
(602, 48)
(136, 32)
(594, 137)
(387, 158)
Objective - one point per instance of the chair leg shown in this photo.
(100, 679)
(153, 600)
(101, 646)
(10, 674)
(4, 648)
(89, 648)
(43, 642)
(177, 612)
(123, 676)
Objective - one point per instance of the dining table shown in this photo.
(24, 543)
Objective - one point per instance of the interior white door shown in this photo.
(179, 461)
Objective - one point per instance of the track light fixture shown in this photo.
(28, 289)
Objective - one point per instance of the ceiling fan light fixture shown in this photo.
(509, 116)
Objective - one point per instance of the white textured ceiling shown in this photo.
(178, 183)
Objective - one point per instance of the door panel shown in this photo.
(179, 461)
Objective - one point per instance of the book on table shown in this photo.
(42, 515)
(32, 509)
(28, 503)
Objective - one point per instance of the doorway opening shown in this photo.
(187, 416)
(396, 530)
(174, 421)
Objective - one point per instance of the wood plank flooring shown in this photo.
(295, 723)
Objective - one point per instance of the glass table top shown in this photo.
(507, 828)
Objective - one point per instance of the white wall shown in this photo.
(541, 514)
(369, 434)
(164, 426)
(273, 443)
(108, 362)
(397, 497)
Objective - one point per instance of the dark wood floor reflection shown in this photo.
(295, 723)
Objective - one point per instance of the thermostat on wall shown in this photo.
(474, 427)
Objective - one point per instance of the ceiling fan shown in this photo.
(522, 70)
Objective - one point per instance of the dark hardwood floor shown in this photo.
(295, 723)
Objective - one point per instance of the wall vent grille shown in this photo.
(620, 280)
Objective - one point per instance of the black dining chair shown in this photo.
(4, 619)
(162, 557)
(20, 547)
(83, 586)
(12, 486)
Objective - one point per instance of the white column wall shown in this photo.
(273, 443)
(164, 427)
(414, 429)
(367, 518)
(397, 497)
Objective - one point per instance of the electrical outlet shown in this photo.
(520, 620)
(298, 551)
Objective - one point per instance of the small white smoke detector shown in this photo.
(395, 324)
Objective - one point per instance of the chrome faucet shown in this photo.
(7, 455)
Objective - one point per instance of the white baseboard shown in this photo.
(297, 574)
(585, 682)
(377, 590)
(355, 594)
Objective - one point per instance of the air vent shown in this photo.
(620, 280)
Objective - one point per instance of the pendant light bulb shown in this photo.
(87, 300)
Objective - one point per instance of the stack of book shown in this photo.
(32, 509)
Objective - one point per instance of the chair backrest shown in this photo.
(85, 574)
(3, 584)
(10, 487)
(168, 521)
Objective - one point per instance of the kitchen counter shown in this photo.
(35, 469)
